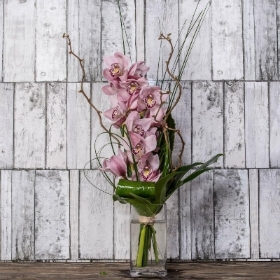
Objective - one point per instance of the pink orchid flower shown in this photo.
(117, 67)
(137, 125)
(117, 112)
(112, 88)
(152, 99)
(131, 87)
(140, 146)
(117, 164)
(138, 69)
(148, 168)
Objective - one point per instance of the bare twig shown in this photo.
(81, 90)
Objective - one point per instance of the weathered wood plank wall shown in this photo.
(230, 104)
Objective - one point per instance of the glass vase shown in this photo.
(148, 240)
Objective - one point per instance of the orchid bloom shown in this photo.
(117, 164)
(148, 168)
(140, 146)
(117, 112)
(112, 88)
(138, 69)
(137, 125)
(117, 67)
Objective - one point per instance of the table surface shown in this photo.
(107, 271)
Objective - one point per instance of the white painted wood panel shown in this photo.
(78, 127)
(231, 204)
(202, 211)
(1, 36)
(74, 214)
(112, 34)
(159, 19)
(274, 122)
(269, 212)
(207, 121)
(227, 42)
(50, 46)
(56, 126)
(265, 40)
(52, 240)
(182, 117)
(6, 125)
(84, 28)
(249, 40)
(140, 29)
(96, 218)
(185, 222)
(23, 215)
(172, 226)
(121, 231)
(256, 125)
(6, 215)
(29, 125)
(234, 125)
(198, 66)
(19, 41)
(254, 212)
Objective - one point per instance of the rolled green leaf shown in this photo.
(142, 189)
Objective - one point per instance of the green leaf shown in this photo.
(171, 133)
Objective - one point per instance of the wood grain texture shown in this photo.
(19, 30)
(84, 28)
(198, 66)
(182, 117)
(159, 19)
(234, 127)
(231, 204)
(1, 37)
(207, 121)
(265, 40)
(56, 126)
(50, 46)
(52, 215)
(23, 215)
(140, 29)
(185, 222)
(121, 231)
(202, 211)
(249, 40)
(112, 34)
(274, 123)
(172, 233)
(254, 212)
(256, 125)
(6, 125)
(96, 217)
(6, 215)
(269, 212)
(74, 214)
(227, 40)
(29, 125)
(78, 127)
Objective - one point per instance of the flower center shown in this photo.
(132, 88)
(139, 130)
(137, 149)
(115, 70)
(150, 101)
(116, 113)
(146, 172)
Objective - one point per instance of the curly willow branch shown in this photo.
(81, 90)
(168, 39)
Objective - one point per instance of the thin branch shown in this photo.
(81, 90)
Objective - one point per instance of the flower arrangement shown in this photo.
(142, 137)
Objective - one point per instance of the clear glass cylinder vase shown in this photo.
(148, 240)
